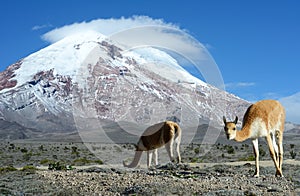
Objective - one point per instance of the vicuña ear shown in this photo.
(224, 120)
(236, 120)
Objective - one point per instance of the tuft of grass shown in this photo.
(45, 161)
(81, 161)
(30, 169)
(85, 161)
(100, 162)
(7, 169)
(195, 160)
(249, 158)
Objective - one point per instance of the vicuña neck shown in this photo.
(243, 134)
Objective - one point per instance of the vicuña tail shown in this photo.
(177, 133)
(135, 161)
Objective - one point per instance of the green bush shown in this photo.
(59, 166)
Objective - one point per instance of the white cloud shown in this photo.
(239, 85)
(104, 26)
(143, 31)
(292, 107)
(38, 27)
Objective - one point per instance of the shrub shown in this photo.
(293, 154)
(12, 146)
(66, 148)
(230, 150)
(292, 146)
(59, 166)
(24, 150)
(262, 152)
(75, 151)
(41, 147)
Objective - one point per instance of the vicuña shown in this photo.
(154, 137)
(263, 119)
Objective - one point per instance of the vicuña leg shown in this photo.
(155, 157)
(273, 156)
(280, 146)
(149, 158)
(256, 153)
(275, 146)
(177, 141)
(169, 148)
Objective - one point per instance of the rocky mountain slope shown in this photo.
(88, 78)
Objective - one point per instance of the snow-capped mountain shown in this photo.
(88, 76)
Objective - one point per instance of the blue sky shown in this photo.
(255, 44)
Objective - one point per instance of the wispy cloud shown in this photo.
(292, 107)
(39, 27)
(104, 26)
(239, 85)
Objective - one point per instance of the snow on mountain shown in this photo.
(87, 76)
(64, 56)
(161, 63)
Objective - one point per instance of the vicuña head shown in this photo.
(155, 136)
(263, 119)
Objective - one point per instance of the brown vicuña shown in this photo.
(263, 119)
(154, 137)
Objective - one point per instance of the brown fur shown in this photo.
(153, 139)
(156, 136)
(269, 113)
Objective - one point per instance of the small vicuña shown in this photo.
(263, 119)
(154, 137)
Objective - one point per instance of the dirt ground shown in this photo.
(97, 169)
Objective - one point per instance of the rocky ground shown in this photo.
(81, 173)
